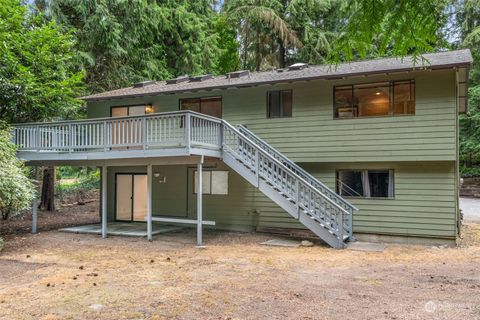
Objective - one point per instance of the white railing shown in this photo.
(187, 129)
(307, 198)
(173, 129)
(304, 174)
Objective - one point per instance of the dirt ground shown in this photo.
(54, 275)
(63, 217)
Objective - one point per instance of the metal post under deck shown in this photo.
(104, 201)
(199, 202)
(149, 202)
(35, 204)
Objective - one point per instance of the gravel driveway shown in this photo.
(471, 209)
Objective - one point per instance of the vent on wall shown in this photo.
(178, 80)
(238, 74)
(143, 84)
(298, 66)
(201, 78)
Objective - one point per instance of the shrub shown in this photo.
(16, 189)
(469, 172)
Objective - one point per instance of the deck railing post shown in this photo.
(37, 138)
(297, 196)
(340, 228)
(350, 224)
(220, 136)
(105, 136)
(70, 137)
(257, 167)
(144, 132)
(188, 131)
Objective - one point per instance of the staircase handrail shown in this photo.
(310, 177)
(287, 169)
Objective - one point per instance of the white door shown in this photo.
(131, 197)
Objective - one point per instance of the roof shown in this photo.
(440, 60)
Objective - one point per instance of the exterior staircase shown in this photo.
(296, 191)
(186, 133)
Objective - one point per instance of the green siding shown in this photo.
(175, 198)
(424, 203)
(312, 135)
(421, 148)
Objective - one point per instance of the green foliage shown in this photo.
(228, 59)
(2, 243)
(264, 31)
(390, 27)
(38, 75)
(468, 172)
(470, 128)
(16, 189)
(86, 180)
(122, 42)
(468, 18)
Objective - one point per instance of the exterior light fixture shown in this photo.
(377, 93)
(148, 108)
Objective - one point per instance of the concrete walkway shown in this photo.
(471, 209)
(133, 229)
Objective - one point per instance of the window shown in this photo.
(279, 104)
(213, 182)
(375, 99)
(365, 183)
(123, 111)
(211, 106)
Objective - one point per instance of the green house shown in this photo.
(366, 149)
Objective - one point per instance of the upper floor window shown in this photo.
(375, 99)
(137, 110)
(211, 106)
(365, 183)
(279, 103)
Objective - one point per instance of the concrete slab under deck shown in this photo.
(131, 229)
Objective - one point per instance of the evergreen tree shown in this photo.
(122, 42)
(39, 78)
(468, 20)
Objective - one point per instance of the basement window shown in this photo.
(213, 182)
(375, 99)
(365, 183)
(279, 104)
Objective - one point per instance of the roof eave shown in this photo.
(246, 84)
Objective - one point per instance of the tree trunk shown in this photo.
(281, 54)
(258, 57)
(48, 189)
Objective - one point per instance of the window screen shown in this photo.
(365, 183)
(279, 103)
(213, 182)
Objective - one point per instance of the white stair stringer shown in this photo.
(289, 190)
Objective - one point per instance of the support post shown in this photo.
(199, 202)
(149, 202)
(35, 203)
(104, 201)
